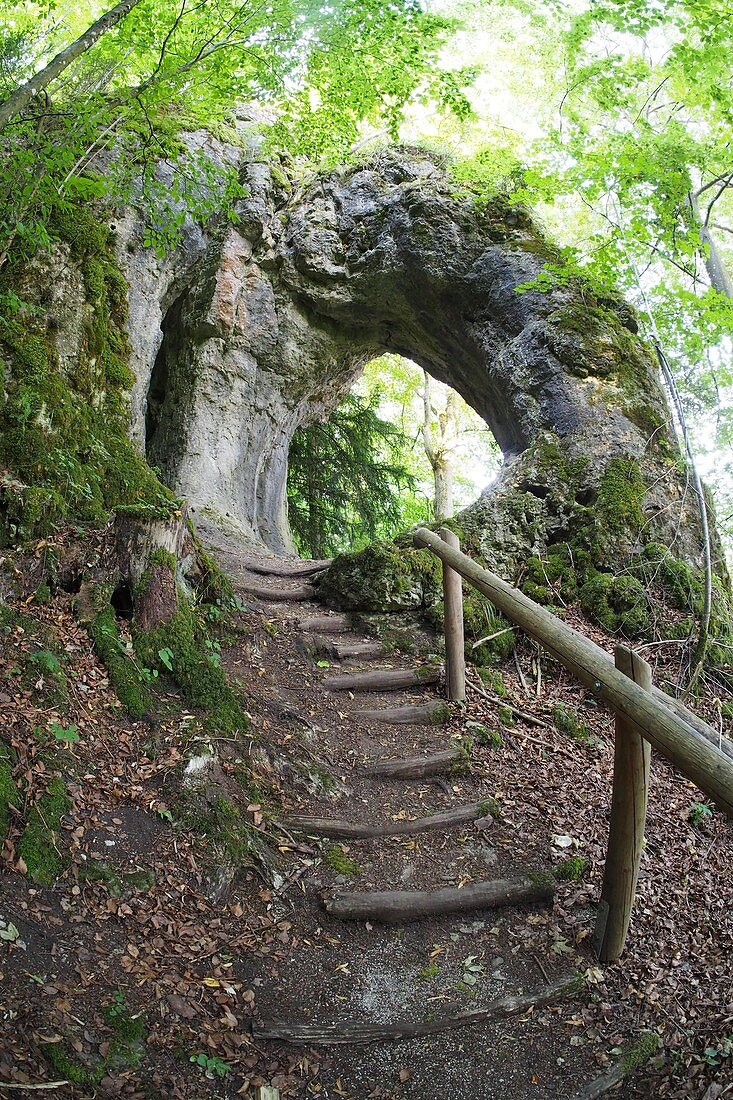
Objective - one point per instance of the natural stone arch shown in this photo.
(285, 307)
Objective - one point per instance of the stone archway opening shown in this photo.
(289, 304)
(400, 449)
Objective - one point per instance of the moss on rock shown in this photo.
(386, 576)
(620, 498)
(618, 604)
(64, 432)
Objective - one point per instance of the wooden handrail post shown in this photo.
(455, 655)
(655, 718)
(628, 815)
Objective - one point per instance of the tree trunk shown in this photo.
(715, 265)
(438, 452)
(443, 477)
(22, 96)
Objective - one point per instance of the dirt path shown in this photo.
(362, 977)
(176, 939)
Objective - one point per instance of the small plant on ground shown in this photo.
(699, 812)
(472, 970)
(67, 734)
(212, 1066)
(572, 869)
(567, 722)
(429, 972)
(713, 1056)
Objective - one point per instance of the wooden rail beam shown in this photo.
(700, 761)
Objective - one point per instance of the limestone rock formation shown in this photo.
(261, 322)
(262, 325)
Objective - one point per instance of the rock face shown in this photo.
(262, 324)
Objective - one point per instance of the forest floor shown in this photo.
(176, 916)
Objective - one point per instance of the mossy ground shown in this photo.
(126, 1048)
(338, 860)
(127, 677)
(571, 870)
(38, 845)
(178, 647)
(567, 722)
(118, 883)
(9, 793)
(218, 823)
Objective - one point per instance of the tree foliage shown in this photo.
(627, 153)
(105, 120)
(346, 479)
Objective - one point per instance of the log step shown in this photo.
(342, 651)
(413, 714)
(348, 830)
(355, 1033)
(416, 767)
(402, 906)
(346, 651)
(324, 624)
(383, 679)
(283, 568)
(296, 594)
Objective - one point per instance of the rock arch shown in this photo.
(281, 310)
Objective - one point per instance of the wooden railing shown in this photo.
(644, 716)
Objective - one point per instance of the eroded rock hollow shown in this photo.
(258, 326)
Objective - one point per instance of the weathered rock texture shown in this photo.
(258, 326)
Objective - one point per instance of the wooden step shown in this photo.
(348, 830)
(356, 1033)
(325, 624)
(273, 594)
(383, 679)
(349, 651)
(402, 906)
(325, 646)
(412, 714)
(283, 568)
(416, 767)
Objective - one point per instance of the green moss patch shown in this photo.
(126, 1048)
(178, 647)
(571, 870)
(340, 862)
(620, 497)
(64, 432)
(9, 794)
(484, 735)
(619, 604)
(38, 845)
(567, 722)
(217, 821)
(128, 680)
(182, 648)
(118, 883)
